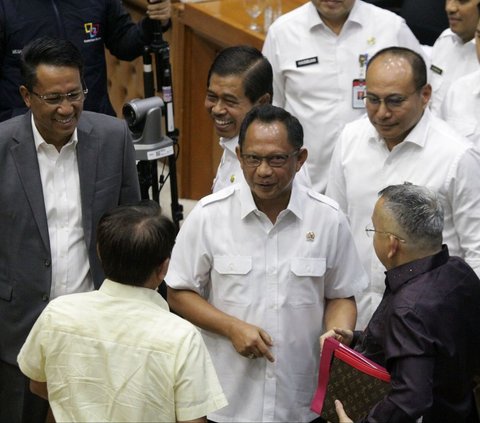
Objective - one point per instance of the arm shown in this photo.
(270, 52)
(39, 388)
(247, 339)
(340, 313)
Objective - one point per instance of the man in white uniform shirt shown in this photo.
(319, 53)
(240, 78)
(263, 267)
(461, 107)
(453, 54)
(401, 141)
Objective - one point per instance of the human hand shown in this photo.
(342, 416)
(250, 341)
(160, 10)
(345, 336)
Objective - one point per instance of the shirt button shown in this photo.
(47, 262)
(45, 297)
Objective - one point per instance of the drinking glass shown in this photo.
(254, 8)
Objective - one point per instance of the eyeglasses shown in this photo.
(370, 230)
(275, 160)
(57, 98)
(393, 101)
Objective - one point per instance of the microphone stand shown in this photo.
(163, 77)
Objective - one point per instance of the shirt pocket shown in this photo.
(305, 285)
(234, 284)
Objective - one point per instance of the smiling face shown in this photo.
(55, 123)
(270, 186)
(462, 17)
(227, 104)
(392, 76)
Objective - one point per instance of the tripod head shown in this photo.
(144, 119)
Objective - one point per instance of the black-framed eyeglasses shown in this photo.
(370, 230)
(56, 99)
(274, 160)
(392, 101)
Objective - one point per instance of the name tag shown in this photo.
(436, 69)
(307, 62)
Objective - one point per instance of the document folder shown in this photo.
(347, 375)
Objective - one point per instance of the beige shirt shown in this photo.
(119, 355)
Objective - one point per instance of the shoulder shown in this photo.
(442, 133)
(218, 197)
(292, 18)
(323, 200)
(446, 37)
(100, 122)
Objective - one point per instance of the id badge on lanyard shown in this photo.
(358, 85)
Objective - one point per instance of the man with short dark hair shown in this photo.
(118, 354)
(240, 78)
(61, 169)
(453, 54)
(400, 141)
(263, 267)
(426, 330)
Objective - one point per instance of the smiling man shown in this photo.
(262, 267)
(61, 169)
(240, 78)
(453, 54)
(402, 141)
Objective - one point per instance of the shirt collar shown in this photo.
(229, 143)
(417, 135)
(247, 203)
(402, 274)
(356, 15)
(120, 290)
(39, 140)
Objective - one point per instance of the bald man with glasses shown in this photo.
(400, 140)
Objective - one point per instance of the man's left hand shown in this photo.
(160, 10)
(342, 416)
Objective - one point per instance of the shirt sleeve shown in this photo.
(270, 51)
(197, 389)
(464, 193)
(31, 358)
(336, 184)
(191, 259)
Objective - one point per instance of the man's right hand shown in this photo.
(250, 341)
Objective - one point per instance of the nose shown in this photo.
(383, 112)
(264, 169)
(65, 107)
(451, 6)
(218, 107)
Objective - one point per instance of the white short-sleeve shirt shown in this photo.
(314, 70)
(433, 155)
(119, 355)
(275, 276)
(451, 59)
(461, 107)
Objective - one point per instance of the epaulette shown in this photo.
(323, 199)
(217, 196)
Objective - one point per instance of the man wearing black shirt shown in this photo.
(426, 330)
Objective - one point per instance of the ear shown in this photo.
(393, 246)
(161, 270)
(301, 158)
(264, 99)
(25, 95)
(239, 155)
(426, 94)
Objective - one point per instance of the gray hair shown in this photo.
(418, 213)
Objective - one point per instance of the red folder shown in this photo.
(347, 375)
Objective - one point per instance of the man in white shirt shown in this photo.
(319, 53)
(453, 54)
(263, 267)
(240, 78)
(61, 169)
(401, 141)
(461, 107)
(118, 354)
